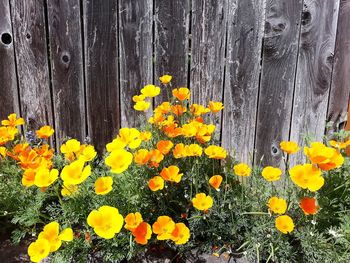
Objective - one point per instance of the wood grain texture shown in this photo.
(8, 80)
(245, 33)
(281, 40)
(171, 42)
(317, 41)
(29, 28)
(208, 42)
(101, 70)
(136, 54)
(67, 68)
(340, 88)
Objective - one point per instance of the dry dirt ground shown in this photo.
(10, 253)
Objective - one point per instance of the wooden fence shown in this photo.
(281, 67)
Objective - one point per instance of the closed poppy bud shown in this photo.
(215, 181)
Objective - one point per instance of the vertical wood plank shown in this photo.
(340, 88)
(208, 32)
(171, 42)
(245, 32)
(29, 28)
(101, 70)
(282, 30)
(316, 48)
(67, 68)
(136, 54)
(8, 79)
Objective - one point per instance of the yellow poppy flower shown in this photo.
(271, 173)
(51, 233)
(87, 153)
(12, 121)
(179, 151)
(193, 150)
(284, 224)
(150, 91)
(138, 98)
(215, 106)
(106, 221)
(198, 110)
(326, 158)
(289, 147)
(165, 79)
(277, 205)
(103, 185)
(38, 250)
(44, 132)
(142, 105)
(44, 177)
(215, 152)
(202, 202)
(145, 136)
(181, 234)
(75, 173)
(307, 176)
(242, 169)
(119, 160)
(163, 227)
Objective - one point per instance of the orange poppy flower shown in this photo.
(156, 158)
(142, 156)
(181, 234)
(309, 205)
(215, 181)
(133, 220)
(182, 93)
(163, 227)
(179, 151)
(164, 146)
(156, 183)
(142, 233)
(171, 174)
(178, 110)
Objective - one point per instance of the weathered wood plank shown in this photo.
(101, 70)
(282, 30)
(67, 68)
(245, 33)
(316, 48)
(340, 88)
(208, 41)
(8, 79)
(30, 40)
(135, 49)
(171, 42)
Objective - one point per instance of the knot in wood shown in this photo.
(6, 38)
